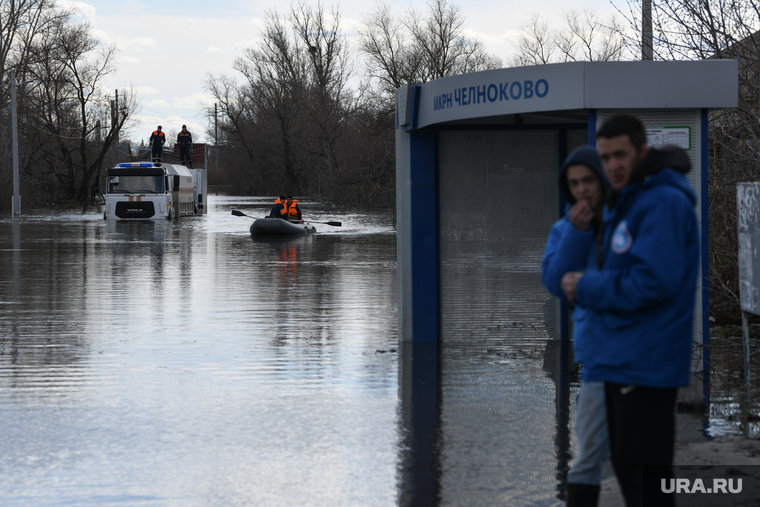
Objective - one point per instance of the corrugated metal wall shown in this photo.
(498, 199)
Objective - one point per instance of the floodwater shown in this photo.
(187, 364)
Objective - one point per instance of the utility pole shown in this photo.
(647, 51)
(116, 125)
(111, 126)
(96, 183)
(216, 127)
(16, 200)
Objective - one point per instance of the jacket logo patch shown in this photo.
(621, 238)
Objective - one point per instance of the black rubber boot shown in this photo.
(582, 495)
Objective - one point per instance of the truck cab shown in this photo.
(149, 191)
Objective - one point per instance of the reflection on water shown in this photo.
(186, 363)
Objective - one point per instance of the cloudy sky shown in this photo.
(168, 48)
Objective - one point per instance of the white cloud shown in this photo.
(157, 103)
(82, 11)
(175, 122)
(239, 46)
(351, 25)
(102, 36)
(259, 23)
(146, 90)
(135, 7)
(194, 101)
(138, 44)
(140, 126)
(146, 118)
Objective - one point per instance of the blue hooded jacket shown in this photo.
(570, 249)
(640, 305)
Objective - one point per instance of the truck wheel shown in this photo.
(171, 214)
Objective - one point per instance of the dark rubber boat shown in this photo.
(279, 227)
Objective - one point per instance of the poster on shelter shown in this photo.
(675, 136)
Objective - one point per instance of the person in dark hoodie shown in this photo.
(279, 210)
(573, 246)
(640, 304)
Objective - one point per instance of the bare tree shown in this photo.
(265, 113)
(695, 29)
(276, 74)
(584, 38)
(330, 101)
(290, 118)
(69, 66)
(21, 23)
(589, 39)
(536, 44)
(419, 48)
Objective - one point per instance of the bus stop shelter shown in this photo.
(477, 161)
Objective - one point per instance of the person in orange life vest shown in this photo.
(279, 210)
(185, 142)
(294, 211)
(157, 140)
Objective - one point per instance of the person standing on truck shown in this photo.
(185, 142)
(157, 140)
(294, 211)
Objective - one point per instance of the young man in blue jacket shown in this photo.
(573, 246)
(640, 304)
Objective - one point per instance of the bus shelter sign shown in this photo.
(501, 92)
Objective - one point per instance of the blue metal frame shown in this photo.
(705, 156)
(564, 312)
(424, 210)
(592, 127)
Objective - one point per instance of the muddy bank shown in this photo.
(711, 457)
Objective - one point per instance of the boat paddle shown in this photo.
(334, 224)
(241, 214)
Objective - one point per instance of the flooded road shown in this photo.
(187, 364)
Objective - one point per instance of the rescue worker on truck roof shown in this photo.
(185, 142)
(157, 140)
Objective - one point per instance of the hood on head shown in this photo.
(659, 158)
(587, 156)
